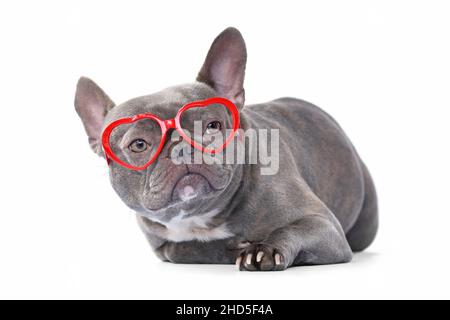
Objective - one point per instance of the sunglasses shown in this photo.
(136, 142)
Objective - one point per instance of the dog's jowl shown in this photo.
(212, 180)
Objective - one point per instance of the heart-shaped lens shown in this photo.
(208, 126)
(135, 143)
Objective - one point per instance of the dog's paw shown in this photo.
(261, 257)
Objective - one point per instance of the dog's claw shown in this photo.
(238, 261)
(249, 259)
(260, 257)
(277, 259)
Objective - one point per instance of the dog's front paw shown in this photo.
(261, 257)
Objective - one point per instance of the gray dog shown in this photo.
(319, 207)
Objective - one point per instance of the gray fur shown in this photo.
(318, 208)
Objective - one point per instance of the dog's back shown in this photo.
(327, 161)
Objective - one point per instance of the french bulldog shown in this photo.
(319, 208)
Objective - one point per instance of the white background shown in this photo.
(381, 68)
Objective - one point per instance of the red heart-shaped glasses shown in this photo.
(163, 127)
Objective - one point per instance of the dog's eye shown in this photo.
(213, 127)
(138, 145)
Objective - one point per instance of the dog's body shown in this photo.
(319, 207)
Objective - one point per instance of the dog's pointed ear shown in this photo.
(224, 67)
(92, 105)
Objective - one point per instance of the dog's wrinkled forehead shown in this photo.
(165, 104)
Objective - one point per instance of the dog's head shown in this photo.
(166, 188)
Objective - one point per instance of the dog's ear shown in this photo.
(224, 67)
(92, 105)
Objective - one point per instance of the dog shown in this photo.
(319, 208)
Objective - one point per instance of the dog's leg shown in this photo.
(212, 252)
(314, 239)
(216, 251)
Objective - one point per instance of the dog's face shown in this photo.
(167, 188)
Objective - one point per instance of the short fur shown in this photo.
(319, 207)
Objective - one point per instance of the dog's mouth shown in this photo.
(191, 186)
(190, 190)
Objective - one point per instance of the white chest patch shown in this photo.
(182, 228)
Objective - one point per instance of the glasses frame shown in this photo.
(166, 126)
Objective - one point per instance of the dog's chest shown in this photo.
(183, 228)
